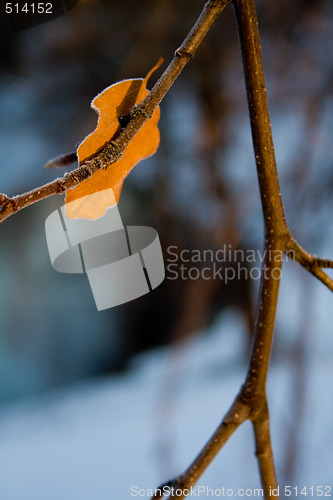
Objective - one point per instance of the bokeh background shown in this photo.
(148, 381)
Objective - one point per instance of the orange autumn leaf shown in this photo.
(114, 102)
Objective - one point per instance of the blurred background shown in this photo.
(177, 355)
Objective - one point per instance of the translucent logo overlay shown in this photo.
(122, 262)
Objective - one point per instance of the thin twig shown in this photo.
(63, 160)
(139, 114)
(324, 263)
(311, 263)
(237, 414)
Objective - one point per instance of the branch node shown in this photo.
(138, 110)
(4, 199)
(183, 53)
(13, 204)
(61, 187)
(110, 153)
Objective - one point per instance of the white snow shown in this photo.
(96, 441)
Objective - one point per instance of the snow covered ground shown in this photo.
(138, 429)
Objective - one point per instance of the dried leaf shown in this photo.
(111, 104)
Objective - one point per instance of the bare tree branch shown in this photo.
(311, 263)
(251, 402)
(238, 413)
